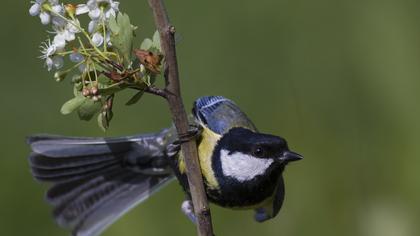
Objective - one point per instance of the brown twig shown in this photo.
(179, 116)
(156, 91)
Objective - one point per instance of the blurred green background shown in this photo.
(339, 79)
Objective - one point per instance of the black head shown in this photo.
(248, 165)
(258, 145)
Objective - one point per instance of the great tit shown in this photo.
(96, 180)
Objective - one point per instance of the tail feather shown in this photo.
(95, 181)
(47, 163)
(61, 193)
(70, 213)
(129, 195)
(66, 174)
(61, 147)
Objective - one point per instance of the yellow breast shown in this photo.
(205, 150)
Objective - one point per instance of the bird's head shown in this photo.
(244, 154)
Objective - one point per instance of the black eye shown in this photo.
(259, 152)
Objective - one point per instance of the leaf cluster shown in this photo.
(95, 88)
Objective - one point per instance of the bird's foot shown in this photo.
(193, 132)
(188, 209)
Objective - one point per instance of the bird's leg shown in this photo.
(193, 133)
(188, 209)
(261, 215)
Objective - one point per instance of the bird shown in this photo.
(94, 181)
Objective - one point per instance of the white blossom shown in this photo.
(65, 27)
(66, 33)
(92, 26)
(45, 18)
(59, 41)
(112, 9)
(57, 15)
(35, 9)
(48, 50)
(93, 8)
(57, 62)
(43, 8)
(98, 11)
(76, 57)
(58, 21)
(97, 39)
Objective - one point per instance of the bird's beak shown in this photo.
(289, 156)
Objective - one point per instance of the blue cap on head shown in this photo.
(220, 114)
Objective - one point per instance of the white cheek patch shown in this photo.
(242, 166)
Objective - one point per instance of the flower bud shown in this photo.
(60, 75)
(70, 9)
(85, 92)
(94, 90)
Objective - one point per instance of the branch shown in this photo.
(179, 116)
(156, 91)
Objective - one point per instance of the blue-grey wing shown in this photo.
(220, 114)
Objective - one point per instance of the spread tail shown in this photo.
(96, 180)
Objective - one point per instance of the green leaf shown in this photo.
(104, 80)
(102, 121)
(104, 118)
(122, 35)
(77, 89)
(88, 109)
(113, 25)
(156, 41)
(146, 44)
(72, 105)
(135, 98)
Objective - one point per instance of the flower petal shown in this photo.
(58, 9)
(82, 9)
(69, 36)
(45, 18)
(50, 50)
(58, 21)
(92, 4)
(49, 63)
(35, 9)
(58, 62)
(97, 39)
(59, 41)
(108, 39)
(73, 26)
(110, 12)
(114, 5)
(92, 26)
(76, 57)
(95, 14)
